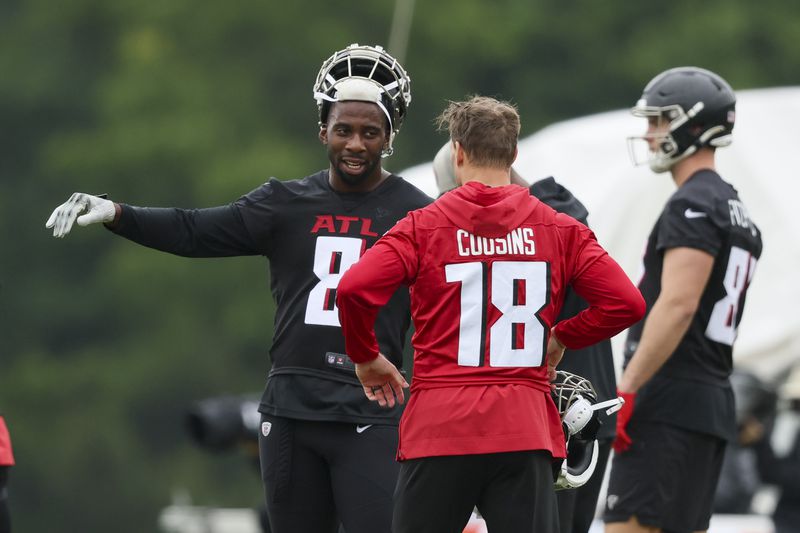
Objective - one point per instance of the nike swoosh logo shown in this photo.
(689, 213)
(362, 429)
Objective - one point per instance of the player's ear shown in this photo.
(323, 133)
(458, 154)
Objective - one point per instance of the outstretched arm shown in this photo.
(211, 232)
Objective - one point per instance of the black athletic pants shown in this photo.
(513, 492)
(577, 507)
(317, 474)
(5, 518)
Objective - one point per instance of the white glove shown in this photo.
(94, 208)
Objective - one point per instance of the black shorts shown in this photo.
(513, 492)
(666, 479)
(317, 474)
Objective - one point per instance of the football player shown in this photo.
(698, 264)
(487, 265)
(577, 506)
(327, 453)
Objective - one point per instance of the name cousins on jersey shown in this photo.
(740, 217)
(517, 242)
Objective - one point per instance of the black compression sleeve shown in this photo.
(210, 232)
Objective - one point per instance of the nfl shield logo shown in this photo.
(265, 428)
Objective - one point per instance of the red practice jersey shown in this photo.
(487, 268)
(6, 455)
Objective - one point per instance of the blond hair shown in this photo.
(486, 128)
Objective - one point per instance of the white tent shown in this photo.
(589, 156)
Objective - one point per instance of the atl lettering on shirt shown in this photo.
(705, 354)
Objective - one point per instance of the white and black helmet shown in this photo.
(367, 74)
(575, 398)
(576, 401)
(698, 105)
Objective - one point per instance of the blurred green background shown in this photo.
(105, 344)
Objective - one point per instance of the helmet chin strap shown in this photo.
(710, 132)
(665, 162)
(614, 405)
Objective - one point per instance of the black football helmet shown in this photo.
(696, 107)
(576, 401)
(368, 74)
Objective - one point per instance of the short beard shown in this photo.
(355, 180)
(350, 179)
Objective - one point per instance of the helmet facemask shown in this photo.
(366, 74)
(574, 397)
